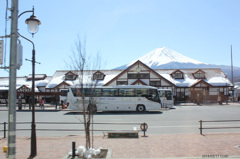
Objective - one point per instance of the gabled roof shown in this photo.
(63, 83)
(177, 71)
(103, 75)
(71, 73)
(137, 62)
(24, 87)
(139, 81)
(199, 70)
(59, 77)
(172, 74)
(98, 71)
(213, 76)
(201, 81)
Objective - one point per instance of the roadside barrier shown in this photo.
(201, 125)
(143, 127)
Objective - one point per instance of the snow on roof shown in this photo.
(214, 77)
(4, 81)
(59, 77)
(4, 88)
(37, 76)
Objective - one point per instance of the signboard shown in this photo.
(19, 55)
(1, 52)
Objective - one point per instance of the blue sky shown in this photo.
(124, 30)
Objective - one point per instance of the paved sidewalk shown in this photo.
(224, 145)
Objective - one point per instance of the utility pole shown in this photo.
(232, 74)
(12, 82)
(231, 66)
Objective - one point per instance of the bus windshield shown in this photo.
(166, 97)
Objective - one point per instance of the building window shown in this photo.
(138, 76)
(122, 83)
(132, 76)
(70, 76)
(199, 75)
(98, 76)
(144, 75)
(177, 75)
(155, 83)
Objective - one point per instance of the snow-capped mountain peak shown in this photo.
(164, 55)
(165, 58)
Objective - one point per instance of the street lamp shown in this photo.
(33, 24)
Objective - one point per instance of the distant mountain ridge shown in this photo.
(165, 58)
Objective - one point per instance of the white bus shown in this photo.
(166, 97)
(118, 98)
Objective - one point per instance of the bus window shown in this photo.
(110, 92)
(76, 92)
(127, 92)
(168, 95)
(142, 92)
(87, 92)
(97, 92)
(162, 93)
(64, 92)
(154, 95)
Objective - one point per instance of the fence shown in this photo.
(143, 127)
(201, 125)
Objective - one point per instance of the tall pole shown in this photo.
(33, 130)
(33, 134)
(232, 74)
(231, 65)
(12, 82)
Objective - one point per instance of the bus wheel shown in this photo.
(140, 108)
(92, 108)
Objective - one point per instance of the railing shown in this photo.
(143, 127)
(201, 125)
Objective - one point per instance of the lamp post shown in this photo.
(33, 24)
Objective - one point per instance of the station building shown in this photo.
(187, 84)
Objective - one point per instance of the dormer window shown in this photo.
(177, 74)
(70, 76)
(98, 76)
(199, 74)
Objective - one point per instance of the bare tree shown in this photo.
(84, 66)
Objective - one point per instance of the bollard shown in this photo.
(73, 149)
(4, 129)
(5, 148)
(144, 128)
(200, 127)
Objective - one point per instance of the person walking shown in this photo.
(219, 99)
(42, 105)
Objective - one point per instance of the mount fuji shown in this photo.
(165, 58)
